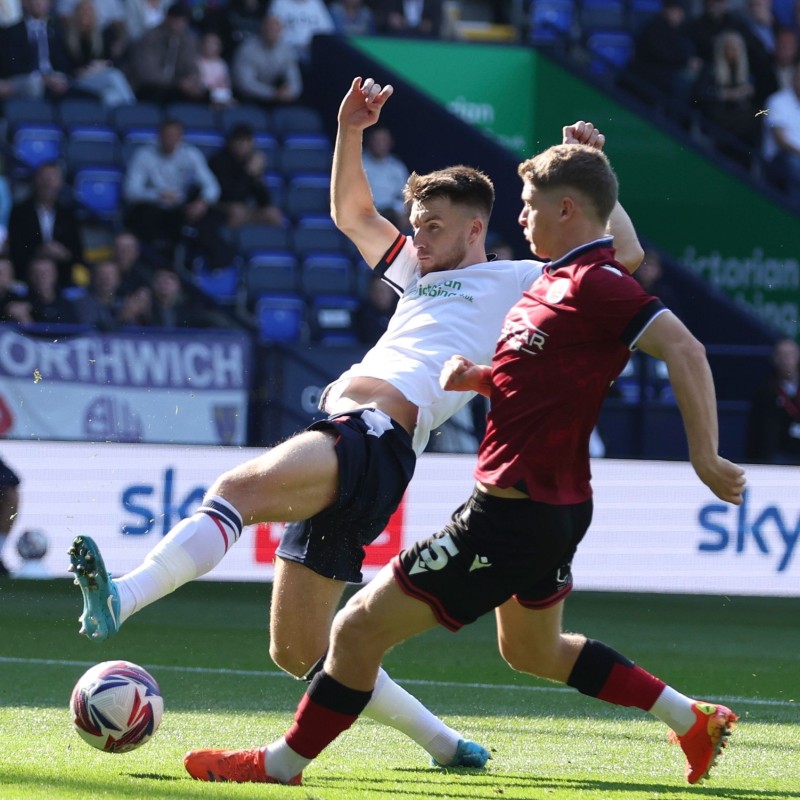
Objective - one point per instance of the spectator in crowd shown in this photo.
(48, 305)
(111, 23)
(134, 270)
(144, 15)
(44, 224)
(664, 58)
(387, 175)
(91, 51)
(214, 73)
(162, 64)
(170, 192)
(352, 18)
(33, 57)
(715, 18)
(419, 18)
(760, 27)
(375, 310)
(14, 304)
(781, 143)
(239, 168)
(265, 68)
(773, 434)
(170, 308)
(787, 55)
(245, 20)
(136, 307)
(9, 508)
(301, 21)
(726, 93)
(100, 305)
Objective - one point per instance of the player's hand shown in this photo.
(361, 106)
(724, 478)
(583, 133)
(459, 374)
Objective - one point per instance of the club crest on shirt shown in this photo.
(557, 290)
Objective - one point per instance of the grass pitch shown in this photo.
(207, 647)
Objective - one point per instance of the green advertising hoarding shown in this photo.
(713, 222)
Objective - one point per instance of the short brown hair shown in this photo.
(577, 166)
(462, 185)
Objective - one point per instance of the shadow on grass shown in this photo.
(519, 787)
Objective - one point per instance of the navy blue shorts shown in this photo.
(376, 463)
(7, 475)
(494, 549)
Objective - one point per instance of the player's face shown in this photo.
(539, 215)
(441, 233)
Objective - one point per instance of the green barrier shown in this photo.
(712, 221)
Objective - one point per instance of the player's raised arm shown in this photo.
(629, 251)
(668, 338)
(352, 206)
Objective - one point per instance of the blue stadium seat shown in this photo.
(280, 317)
(80, 153)
(307, 194)
(99, 190)
(313, 234)
(288, 120)
(257, 118)
(193, 115)
(271, 272)
(552, 22)
(221, 284)
(277, 188)
(24, 111)
(33, 145)
(610, 51)
(207, 142)
(310, 156)
(332, 316)
(255, 238)
(639, 11)
(140, 115)
(322, 274)
(83, 113)
(601, 14)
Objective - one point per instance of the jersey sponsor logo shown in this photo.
(557, 290)
(445, 288)
(480, 562)
(522, 335)
(435, 555)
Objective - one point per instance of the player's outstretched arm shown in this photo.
(459, 374)
(352, 207)
(690, 375)
(629, 251)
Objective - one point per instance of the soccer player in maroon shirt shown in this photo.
(509, 548)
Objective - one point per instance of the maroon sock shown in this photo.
(604, 673)
(326, 709)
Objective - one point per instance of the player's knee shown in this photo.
(521, 657)
(352, 629)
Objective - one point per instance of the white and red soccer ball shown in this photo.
(116, 706)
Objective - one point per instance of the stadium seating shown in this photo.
(551, 22)
(35, 144)
(325, 274)
(601, 14)
(98, 191)
(610, 51)
(271, 272)
(317, 234)
(221, 284)
(280, 317)
(307, 194)
(257, 118)
(253, 239)
(332, 318)
(288, 120)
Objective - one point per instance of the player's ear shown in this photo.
(476, 229)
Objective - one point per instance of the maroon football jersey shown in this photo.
(562, 345)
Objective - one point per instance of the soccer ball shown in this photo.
(116, 706)
(32, 545)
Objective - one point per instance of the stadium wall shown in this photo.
(656, 528)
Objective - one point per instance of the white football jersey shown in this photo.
(439, 315)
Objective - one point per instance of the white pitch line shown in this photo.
(256, 673)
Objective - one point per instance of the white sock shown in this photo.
(192, 548)
(282, 762)
(674, 709)
(392, 705)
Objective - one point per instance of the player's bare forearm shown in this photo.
(629, 251)
(459, 374)
(352, 207)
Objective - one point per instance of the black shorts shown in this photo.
(493, 549)
(7, 475)
(376, 463)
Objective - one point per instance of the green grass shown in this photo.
(207, 646)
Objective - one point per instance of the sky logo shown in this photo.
(770, 530)
(152, 504)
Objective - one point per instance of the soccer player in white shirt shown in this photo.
(338, 482)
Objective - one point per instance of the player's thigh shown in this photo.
(292, 481)
(303, 606)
